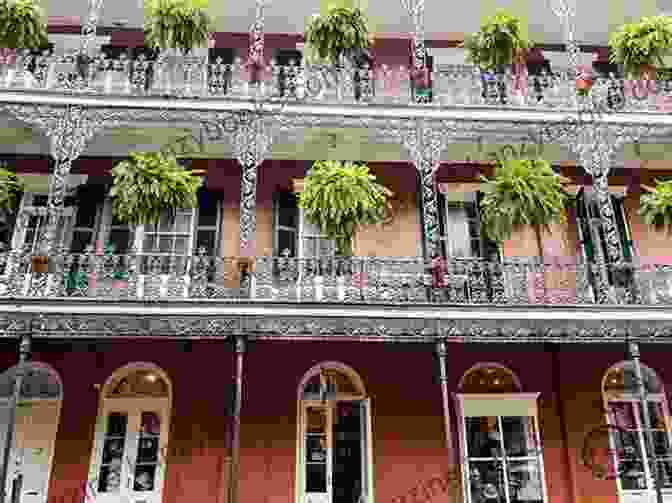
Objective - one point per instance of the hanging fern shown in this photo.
(150, 185)
(498, 42)
(22, 25)
(343, 31)
(522, 192)
(10, 190)
(176, 24)
(656, 206)
(641, 44)
(338, 197)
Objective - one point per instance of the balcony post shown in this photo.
(441, 351)
(416, 9)
(252, 140)
(257, 33)
(24, 355)
(643, 402)
(426, 142)
(240, 349)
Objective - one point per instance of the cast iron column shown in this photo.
(641, 389)
(441, 351)
(24, 355)
(235, 432)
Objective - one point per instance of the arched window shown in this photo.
(334, 461)
(628, 437)
(499, 437)
(37, 418)
(489, 378)
(131, 435)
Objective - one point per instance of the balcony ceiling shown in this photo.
(595, 19)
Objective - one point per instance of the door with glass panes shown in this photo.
(130, 445)
(335, 466)
(592, 237)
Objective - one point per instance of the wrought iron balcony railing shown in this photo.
(196, 77)
(156, 277)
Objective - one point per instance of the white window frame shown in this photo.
(302, 234)
(632, 495)
(523, 405)
(27, 209)
(133, 408)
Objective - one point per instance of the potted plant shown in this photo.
(497, 45)
(522, 192)
(22, 26)
(176, 28)
(655, 206)
(339, 36)
(638, 47)
(339, 197)
(150, 185)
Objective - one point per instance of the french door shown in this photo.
(335, 455)
(31, 457)
(129, 457)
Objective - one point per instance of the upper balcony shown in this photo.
(353, 280)
(197, 77)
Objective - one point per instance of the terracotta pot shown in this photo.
(583, 85)
(648, 72)
(245, 264)
(40, 264)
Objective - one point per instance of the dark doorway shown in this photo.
(347, 453)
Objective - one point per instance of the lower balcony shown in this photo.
(364, 280)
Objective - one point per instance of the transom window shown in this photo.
(489, 378)
(501, 447)
(631, 456)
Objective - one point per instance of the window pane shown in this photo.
(632, 475)
(182, 223)
(665, 472)
(316, 478)
(483, 437)
(656, 416)
(113, 453)
(525, 484)
(622, 414)
(206, 240)
(148, 452)
(519, 436)
(486, 482)
(286, 241)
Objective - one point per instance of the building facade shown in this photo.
(228, 355)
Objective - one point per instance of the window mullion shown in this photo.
(503, 459)
(642, 443)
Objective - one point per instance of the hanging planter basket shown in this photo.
(342, 32)
(151, 185)
(340, 197)
(176, 24)
(522, 192)
(495, 47)
(637, 47)
(22, 25)
(655, 206)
